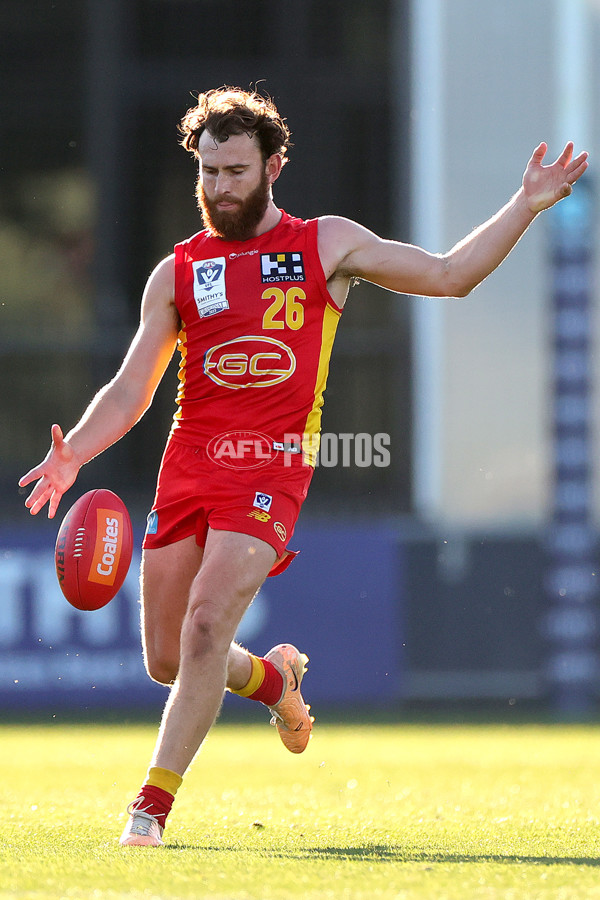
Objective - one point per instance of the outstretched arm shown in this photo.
(349, 250)
(118, 405)
(544, 186)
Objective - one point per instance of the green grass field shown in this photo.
(402, 811)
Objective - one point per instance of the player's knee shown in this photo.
(206, 631)
(161, 667)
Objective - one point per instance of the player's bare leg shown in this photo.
(181, 622)
(166, 581)
(167, 577)
(233, 569)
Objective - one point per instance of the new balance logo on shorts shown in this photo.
(259, 515)
(262, 501)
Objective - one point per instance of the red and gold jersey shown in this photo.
(258, 325)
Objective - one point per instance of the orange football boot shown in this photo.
(291, 714)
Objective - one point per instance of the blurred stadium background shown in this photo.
(466, 570)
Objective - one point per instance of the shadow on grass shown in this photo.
(386, 854)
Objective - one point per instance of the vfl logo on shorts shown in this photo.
(209, 286)
(281, 267)
(152, 526)
(262, 501)
(251, 361)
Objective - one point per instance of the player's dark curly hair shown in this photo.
(230, 110)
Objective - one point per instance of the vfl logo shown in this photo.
(263, 501)
(207, 273)
(152, 526)
(209, 286)
(107, 551)
(251, 361)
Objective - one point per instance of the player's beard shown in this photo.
(239, 224)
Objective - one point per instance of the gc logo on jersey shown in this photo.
(209, 286)
(250, 361)
(281, 267)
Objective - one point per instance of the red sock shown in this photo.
(265, 684)
(155, 801)
(271, 689)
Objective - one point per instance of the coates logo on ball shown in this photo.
(93, 550)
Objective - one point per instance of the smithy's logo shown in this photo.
(209, 286)
(251, 361)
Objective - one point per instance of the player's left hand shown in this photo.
(546, 185)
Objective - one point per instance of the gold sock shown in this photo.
(256, 678)
(164, 779)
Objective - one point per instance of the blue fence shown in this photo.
(339, 601)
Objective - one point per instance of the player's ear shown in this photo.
(273, 167)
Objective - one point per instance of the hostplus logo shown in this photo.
(281, 267)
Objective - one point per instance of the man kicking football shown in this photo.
(252, 302)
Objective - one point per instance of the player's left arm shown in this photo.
(350, 250)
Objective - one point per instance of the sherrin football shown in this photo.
(93, 549)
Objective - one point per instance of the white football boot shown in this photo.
(142, 829)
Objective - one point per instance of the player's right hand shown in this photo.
(55, 475)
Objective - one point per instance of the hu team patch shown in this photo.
(281, 267)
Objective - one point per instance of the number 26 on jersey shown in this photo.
(285, 309)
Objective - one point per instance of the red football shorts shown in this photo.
(194, 493)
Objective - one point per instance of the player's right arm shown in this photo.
(118, 405)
